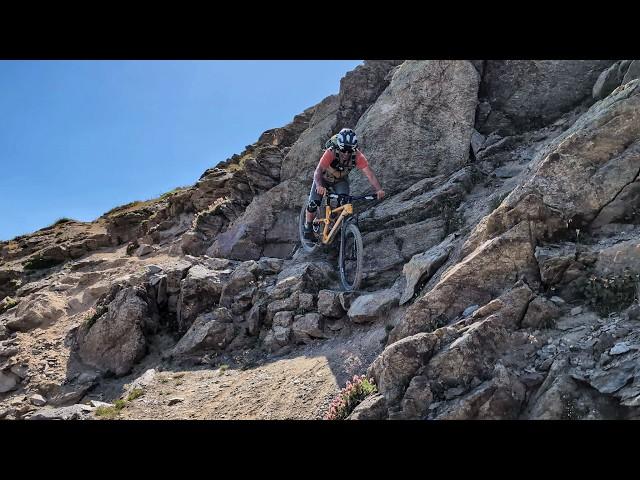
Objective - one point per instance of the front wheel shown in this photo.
(350, 262)
(307, 245)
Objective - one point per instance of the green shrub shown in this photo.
(453, 219)
(8, 303)
(93, 315)
(166, 195)
(135, 393)
(107, 412)
(349, 397)
(613, 293)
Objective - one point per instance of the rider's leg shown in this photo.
(312, 204)
(312, 209)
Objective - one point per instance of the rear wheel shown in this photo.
(350, 262)
(307, 245)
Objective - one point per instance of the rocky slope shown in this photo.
(501, 270)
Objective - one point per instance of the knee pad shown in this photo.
(312, 207)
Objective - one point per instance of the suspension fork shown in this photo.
(343, 228)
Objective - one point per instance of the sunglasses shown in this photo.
(346, 150)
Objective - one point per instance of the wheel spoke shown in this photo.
(350, 259)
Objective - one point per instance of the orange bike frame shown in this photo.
(344, 211)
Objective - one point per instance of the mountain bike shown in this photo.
(338, 217)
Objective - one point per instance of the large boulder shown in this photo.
(200, 290)
(541, 313)
(329, 304)
(523, 95)
(370, 307)
(421, 125)
(308, 326)
(394, 368)
(621, 72)
(474, 353)
(616, 259)
(214, 330)
(174, 274)
(268, 226)
(242, 278)
(8, 381)
(299, 277)
(633, 72)
(374, 407)
(40, 310)
(610, 79)
(115, 341)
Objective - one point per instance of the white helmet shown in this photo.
(347, 140)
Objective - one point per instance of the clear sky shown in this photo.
(78, 138)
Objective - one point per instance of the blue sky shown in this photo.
(78, 138)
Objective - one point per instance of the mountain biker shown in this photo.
(339, 158)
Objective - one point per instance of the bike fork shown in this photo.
(342, 252)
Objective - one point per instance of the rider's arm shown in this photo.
(372, 178)
(363, 164)
(317, 176)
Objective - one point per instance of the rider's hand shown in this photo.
(380, 194)
(320, 189)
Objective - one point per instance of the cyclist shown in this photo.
(339, 158)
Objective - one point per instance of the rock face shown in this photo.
(115, 341)
(358, 90)
(199, 290)
(504, 257)
(223, 193)
(301, 160)
(268, 227)
(521, 95)
(481, 276)
(421, 268)
(599, 152)
(421, 125)
(411, 222)
(446, 362)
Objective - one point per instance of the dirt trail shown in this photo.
(298, 386)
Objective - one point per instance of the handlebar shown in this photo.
(350, 199)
